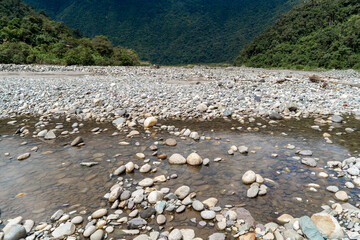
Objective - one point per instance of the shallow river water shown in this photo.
(52, 177)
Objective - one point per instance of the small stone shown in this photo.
(323, 175)
(243, 149)
(175, 235)
(89, 230)
(14, 232)
(129, 167)
(150, 122)
(155, 196)
(221, 225)
(341, 196)
(349, 185)
(259, 179)
(194, 135)
(305, 153)
(77, 220)
(275, 116)
(28, 225)
(160, 178)
(202, 107)
(197, 206)
(309, 162)
(333, 189)
(42, 133)
(140, 155)
(206, 161)
(109, 229)
(170, 142)
(249, 177)
(208, 214)
(187, 234)
(252, 191)
(57, 215)
(217, 236)
(97, 235)
(353, 171)
(249, 236)
(148, 212)
(210, 202)
(182, 192)
(99, 213)
(23, 156)
(64, 230)
(50, 135)
(180, 209)
(136, 223)
(114, 194)
(76, 141)
(161, 219)
(285, 218)
(194, 159)
(145, 168)
(147, 182)
(177, 159)
(337, 119)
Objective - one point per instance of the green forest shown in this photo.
(318, 34)
(171, 32)
(28, 36)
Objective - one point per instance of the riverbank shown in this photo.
(104, 158)
(106, 93)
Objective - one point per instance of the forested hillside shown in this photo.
(169, 31)
(317, 34)
(28, 37)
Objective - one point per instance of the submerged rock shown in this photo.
(77, 141)
(249, 177)
(194, 159)
(177, 159)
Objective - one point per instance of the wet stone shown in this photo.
(136, 223)
(305, 153)
(208, 214)
(14, 232)
(23, 156)
(197, 206)
(309, 162)
(147, 213)
(217, 236)
(77, 141)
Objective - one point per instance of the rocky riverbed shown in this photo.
(98, 152)
(103, 93)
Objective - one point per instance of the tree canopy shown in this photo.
(29, 37)
(316, 34)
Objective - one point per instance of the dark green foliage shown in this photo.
(30, 37)
(171, 31)
(317, 34)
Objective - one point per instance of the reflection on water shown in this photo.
(52, 177)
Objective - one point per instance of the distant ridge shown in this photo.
(171, 31)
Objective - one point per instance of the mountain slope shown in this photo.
(171, 31)
(30, 37)
(319, 33)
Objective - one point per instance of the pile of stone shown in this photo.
(257, 188)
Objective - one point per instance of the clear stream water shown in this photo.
(52, 177)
